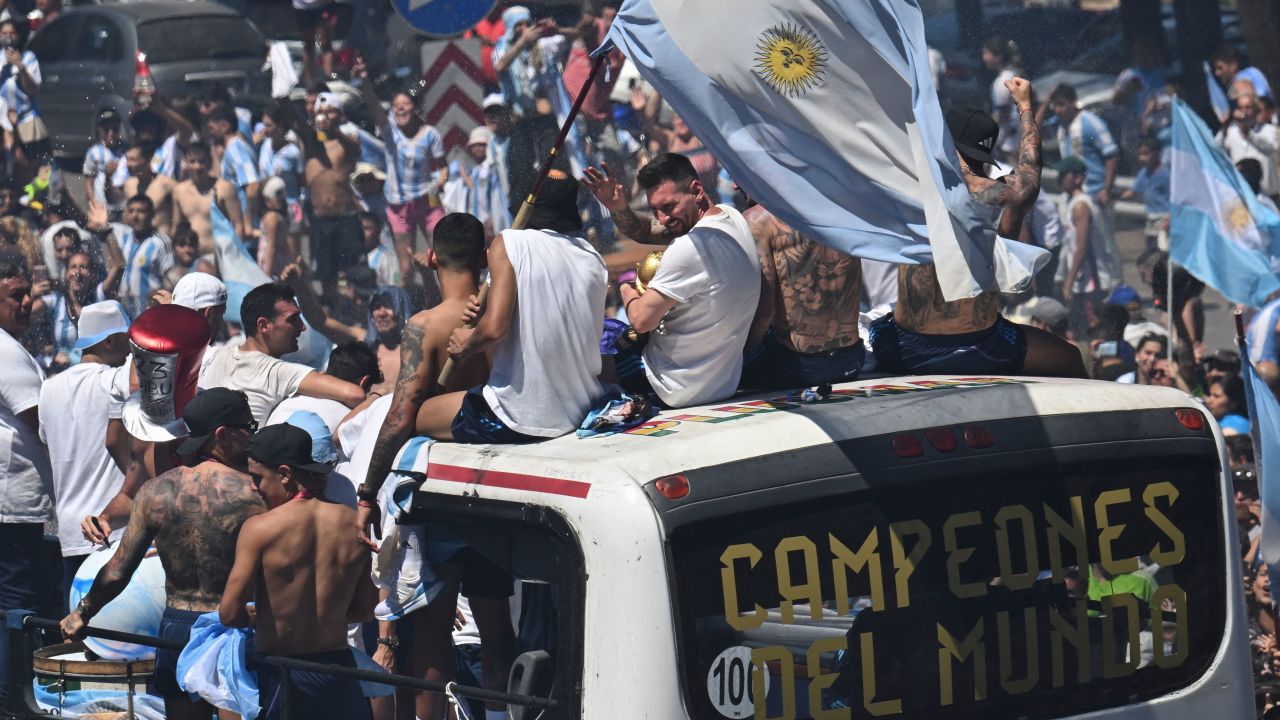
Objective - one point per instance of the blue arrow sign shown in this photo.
(443, 18)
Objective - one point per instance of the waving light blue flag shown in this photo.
(1264, 411)
(240, 273)
(1217, 98)
(824, 111)
(1218, 230)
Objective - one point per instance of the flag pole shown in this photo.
(526, 208)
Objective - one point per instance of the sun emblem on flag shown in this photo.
(1236, 218)
(790, 59)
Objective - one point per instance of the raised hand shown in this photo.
(605, 187)
(1020, 91)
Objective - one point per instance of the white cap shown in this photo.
(365, 168)
(274, 189)
(199, 290)
(493, 99)
(100, 321)
(479, 136)
(328, 99)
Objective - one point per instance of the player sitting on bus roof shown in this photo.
(698, 307)
(927, 334)
(805, 332)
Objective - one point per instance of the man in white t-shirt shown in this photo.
(272, 323)
(25, 488)
(698, 307)
(78, 403)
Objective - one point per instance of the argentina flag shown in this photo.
(1264, 411)
(824, 111)
(1218, 230)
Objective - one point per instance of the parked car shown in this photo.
(88, 59)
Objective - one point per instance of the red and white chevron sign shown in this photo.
(454, 89)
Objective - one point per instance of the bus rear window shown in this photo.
(1047, 592)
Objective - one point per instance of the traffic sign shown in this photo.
(443, 18)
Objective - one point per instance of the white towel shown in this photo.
(283, 76)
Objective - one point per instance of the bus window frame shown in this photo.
(570, 637)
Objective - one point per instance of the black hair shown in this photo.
(278, 111)
(668, 166)
(1228, 53)
(1005, 49)
(1151, 144)
(458, 242)
(21, 27)
(1112, 320)
(13, 264)
(183, 232)
(260, 303)
(1157, 338)
(1240, 447)
(146, 148)
(199, 148)
(354, 360)
(77, 242)
(1063, 92)
(1251, 170)
(1233, 388)
(226, 114)
(143, 200)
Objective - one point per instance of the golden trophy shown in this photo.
(645, 270)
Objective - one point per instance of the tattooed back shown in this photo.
(195, 515)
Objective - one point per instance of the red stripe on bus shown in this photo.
(511, 481)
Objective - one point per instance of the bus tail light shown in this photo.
(942, 439)
(673, 487)
(906, 445)
(977, 436)
(1190, 419)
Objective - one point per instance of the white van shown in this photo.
(924, 547)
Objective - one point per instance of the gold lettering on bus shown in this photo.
(1031, 675)
(821, 681)
(956, 555)
(1063, 631)
(1119, 660)
(780, 657)
(905, 563)
(1108, 533)
(1057, 529)
(729, 585)
(1030, 553)
(949, 649)
(844, 561)
(809, 591)
(1177, 552)
(1170, 598)
(878, 708)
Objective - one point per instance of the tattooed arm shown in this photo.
(114, 576)
(611, 194)
(762, 229)
(413, 387)
(1024, 182)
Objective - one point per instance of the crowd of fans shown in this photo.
(379, 239)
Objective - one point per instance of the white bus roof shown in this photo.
(753, 426)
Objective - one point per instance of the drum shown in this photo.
(135, 610)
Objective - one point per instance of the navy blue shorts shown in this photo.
(313, 694)
(476, 423)
(1001, 348)
(631, 375)
(174, 625)
(774, 367)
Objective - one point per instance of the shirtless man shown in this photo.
(192, 514)
(458, 257)
(143, 179)
(927, 334)
(193, 197)
(307, 571)
(805, 331)
(336, 235)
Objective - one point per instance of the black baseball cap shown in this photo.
(108, 115)
(974, 133)
(209, 410)
(556, 207)
(285, 444)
